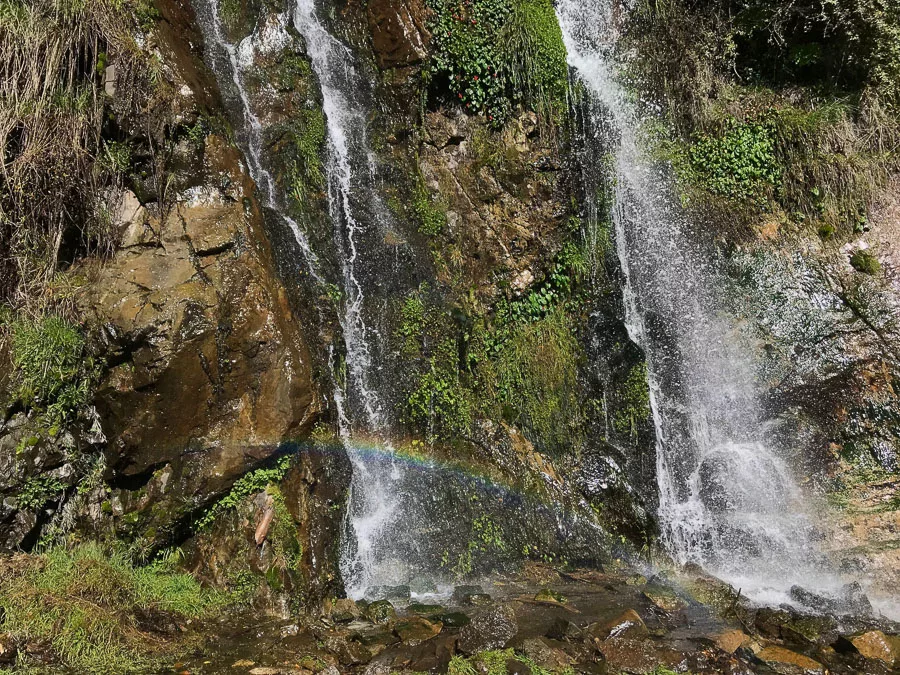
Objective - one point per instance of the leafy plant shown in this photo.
(39, 490)
(52, 369)
(740, 163)
(248, 484)
(489, 55)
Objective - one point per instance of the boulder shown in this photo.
(417, 629)
(380, 611)
(629, 625)
(491, 630)
(788, 662)
(877, 645)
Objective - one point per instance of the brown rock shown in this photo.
(417, 629)
(639, 656)
(399, 36)
(786, 661)
(491, 630)
(876, 645)
(8, 649)
(629, 625)
(730, 640)
(343, 609)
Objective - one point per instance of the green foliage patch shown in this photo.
(38, 490)
(489, 55)
(85, 602)
(739, 163)
(53, 371)
(248, 484)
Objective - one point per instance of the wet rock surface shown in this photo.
(608, 624)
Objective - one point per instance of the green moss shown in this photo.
(84, 602)
(431, 214)
(307, 138)
(286, 545)
(411, 325)
(439, 400)
(865, 262)
(535, 369)
(494, 663)
(632, 401)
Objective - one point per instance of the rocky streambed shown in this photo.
(545, 621)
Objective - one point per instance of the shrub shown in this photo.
(52, 369)
(489, 55)
(248, 484)
(86, 602)
(55, 164)
(739, 164)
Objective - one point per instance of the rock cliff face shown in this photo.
(502, 322)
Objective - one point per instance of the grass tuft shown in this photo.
(89, 605)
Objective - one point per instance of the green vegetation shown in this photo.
(536, 377)
(431, 214)
(518, 363)
(865, 262)
(486, 539)
(53, 372)
(246, 485)
(739, 164)
(37, 491)
(86, 602)
(306, 137)
(56, 163)
(779, 110)
(489, 55)
(494, 663)
(632, 401)
(439, 400)
(283, 533)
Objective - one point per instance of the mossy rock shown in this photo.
(380, 611)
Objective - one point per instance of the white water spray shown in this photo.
(727, 499)
(374, 492)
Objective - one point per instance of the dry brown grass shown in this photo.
(52, 104)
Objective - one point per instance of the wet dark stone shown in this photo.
(563, 629)
(516, 667)
(478, 599)
(427, 610)
(852, 600)
(491, 630)
(461, 594)
(380, 611)
(454, 619)
(393, 593)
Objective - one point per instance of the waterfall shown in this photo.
(354, 206)
(227, 64)
(727, 499)
(359, 222)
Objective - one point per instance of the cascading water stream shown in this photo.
(353, 206)
(229, 58)
(727, 499)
